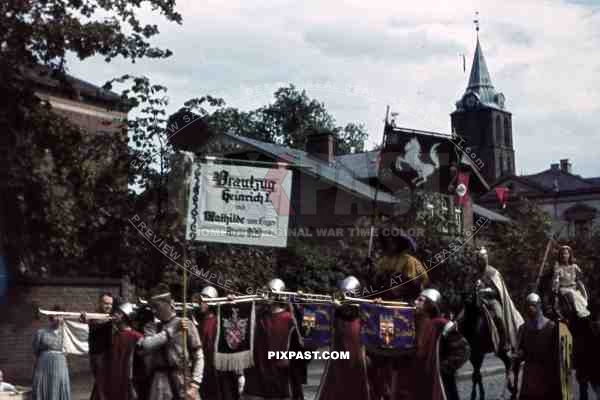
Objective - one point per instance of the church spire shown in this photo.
(480, 76)
(480, 91)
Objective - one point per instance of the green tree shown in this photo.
(56, 203)
(288, 120)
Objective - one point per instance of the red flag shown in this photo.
(502, 195)
(462, 188)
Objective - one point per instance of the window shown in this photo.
(499, 135)
(507, 133)
(581, 229)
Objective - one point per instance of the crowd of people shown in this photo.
(136, 357)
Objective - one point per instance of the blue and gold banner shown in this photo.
(388, 327)
(314, 324)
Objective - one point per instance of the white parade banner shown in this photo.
(239, 203)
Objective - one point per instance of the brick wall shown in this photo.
(19, 320)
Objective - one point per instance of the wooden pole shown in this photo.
(375, 206)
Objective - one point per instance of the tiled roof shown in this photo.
(551, 178)
(46, 79)
(363, 165)
(489, 214)
(336, 173)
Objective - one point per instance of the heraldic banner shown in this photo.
(387, 328)
(314, 324)
(235, 337)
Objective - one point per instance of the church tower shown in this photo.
(483, 123)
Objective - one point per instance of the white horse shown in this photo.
(412, 157)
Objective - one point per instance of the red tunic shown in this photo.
(121, 357)
(270, 378)
(419, 378)
(345, 379)
(216, 385)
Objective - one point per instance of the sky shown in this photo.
(358, 57)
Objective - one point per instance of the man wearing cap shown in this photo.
(346, 379)
(216, 385)
(270, 378)
(538, 349)
(124, 372)
(399, 275)
(502, 316)
(168, 361)
(441, 351)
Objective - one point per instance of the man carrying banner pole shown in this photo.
(216, 385)
(99, 342)
(346, 379)
(168, 364)
(441, 350)
(403, 277)
(270, 377)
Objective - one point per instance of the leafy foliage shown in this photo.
(62, 200)
(288, 121)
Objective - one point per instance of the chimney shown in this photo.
(565, 165)
(321, 145)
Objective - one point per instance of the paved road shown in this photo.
(493, 381)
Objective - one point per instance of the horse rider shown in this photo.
(503, 317)
(568, 284)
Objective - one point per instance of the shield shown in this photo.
(315, 324)
(388, 330)
(565, 349)
(235, 329)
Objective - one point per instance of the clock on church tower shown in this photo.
(483, 124)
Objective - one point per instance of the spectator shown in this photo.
(51, 373)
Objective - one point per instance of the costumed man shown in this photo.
(538, 349)
(401, 277)
(99, 342)
(503, 317)
(346, 379)
(298, 367)
(124, 372)
(169, 372)
(216, 385)
(441, 350)
(270, 378)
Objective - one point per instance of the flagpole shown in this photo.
(375, 207)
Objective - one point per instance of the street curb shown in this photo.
(466, 375)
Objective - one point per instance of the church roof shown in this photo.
(480, 84)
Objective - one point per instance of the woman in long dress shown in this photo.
(568, 282)
(51, 374)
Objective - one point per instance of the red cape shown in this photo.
(345, 379)
(216, 385)
(121, 356)
(270, 378)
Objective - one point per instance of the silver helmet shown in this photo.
(209, 292)
(432, 295)
(533, 298)
(276, 285)
(350, 284)
(126, 309)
